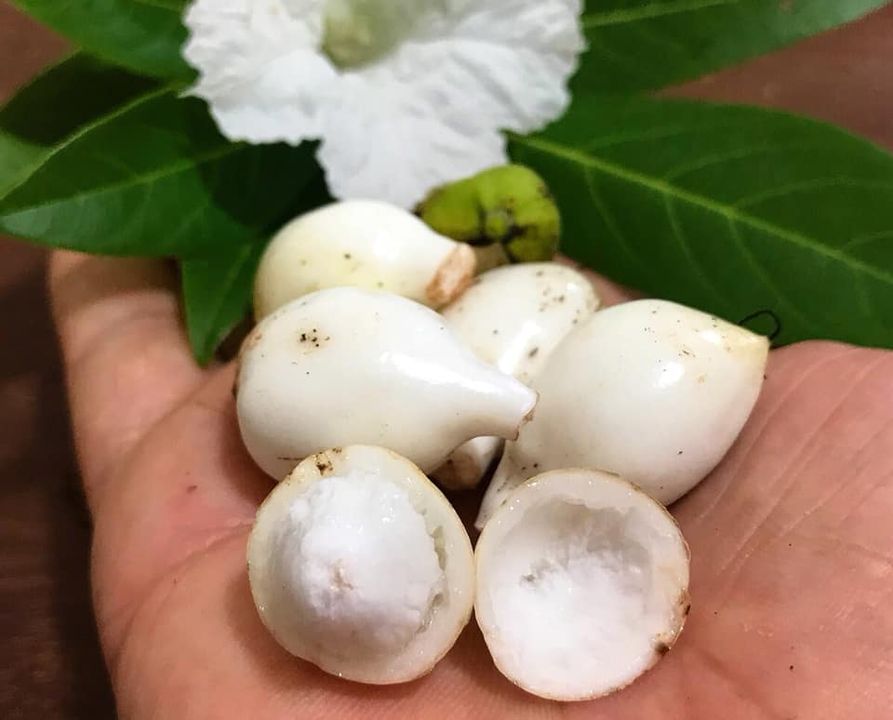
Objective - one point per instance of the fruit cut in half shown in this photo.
(361, 566)
(582, 584)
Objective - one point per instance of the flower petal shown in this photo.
(430, 112)
(506, 61)
(259, 66)
(384, 141)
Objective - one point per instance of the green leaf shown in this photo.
(730, 209)
(155, 178)
(216, 295)
(58, 102)
(142, 35)
(217, 288)
(648, 44)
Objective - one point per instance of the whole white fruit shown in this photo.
(361, 243)
(651, 390)
(346, 366)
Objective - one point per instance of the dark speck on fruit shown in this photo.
(661, 648)
(533, 353)
(347, 256)
(192, 488)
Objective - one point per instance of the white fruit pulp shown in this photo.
(581, 584)
(359, 565)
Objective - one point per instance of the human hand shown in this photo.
(792, 553)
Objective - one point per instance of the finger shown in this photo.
(187, 486)
(126, 358)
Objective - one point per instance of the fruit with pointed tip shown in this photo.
(366, 244)
(651, 390)
(347, 366)
(513, 317)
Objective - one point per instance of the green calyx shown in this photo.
(507, 213)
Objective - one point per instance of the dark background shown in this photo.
(50, 665)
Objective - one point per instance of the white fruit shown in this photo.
(582, 584)
(359, 565)
(513, 317)
(361, 243)
(346, 366)
(650, 390)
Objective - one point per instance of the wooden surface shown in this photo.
(50, 666)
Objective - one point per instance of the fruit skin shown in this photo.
(573, 486)
(454, 550)
(361, 243)
(506, 212)
(513, 317)
(346, 366)
(651, 390)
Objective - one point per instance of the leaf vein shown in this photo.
(865, 239)
(739, 153)
(610, 221)
(181, 166)
(649, 11)
(687, 250)
(661, 186)
(806, 185)
(754, 262)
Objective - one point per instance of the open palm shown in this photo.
(792, 547)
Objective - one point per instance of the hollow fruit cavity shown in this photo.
(358, 564)
(582, 584)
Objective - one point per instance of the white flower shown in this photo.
(404, 94)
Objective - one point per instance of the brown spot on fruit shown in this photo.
(323, 464)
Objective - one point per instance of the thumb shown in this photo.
(126, 357)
